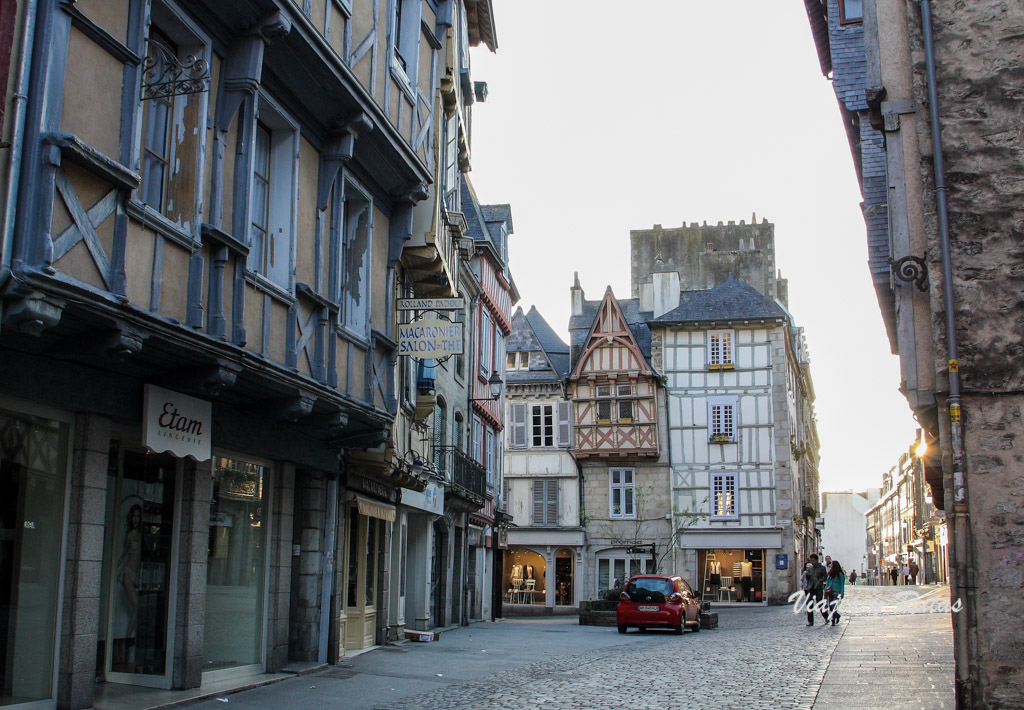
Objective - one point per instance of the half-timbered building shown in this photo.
(543, 568)
(618, 410)
(204, 433)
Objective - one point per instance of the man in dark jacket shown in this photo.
(818, 573)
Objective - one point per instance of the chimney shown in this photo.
(666, 291)
(576, 294)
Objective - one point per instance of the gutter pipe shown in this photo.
(20, 98)
(961, 560)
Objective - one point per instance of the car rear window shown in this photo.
(649, 589)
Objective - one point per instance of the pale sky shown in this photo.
(608, 116)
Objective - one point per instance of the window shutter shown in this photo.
(565, 424)
(538, 501)
(518, 411)
(552, 503)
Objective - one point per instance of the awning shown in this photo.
(375, 509)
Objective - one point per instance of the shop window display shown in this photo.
(731, 575)
(140, 527)
(564, 565)
(525, 577)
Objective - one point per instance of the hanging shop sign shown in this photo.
(430, 338)
(177, 423)
(431, 304)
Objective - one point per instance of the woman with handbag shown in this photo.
(835, 588)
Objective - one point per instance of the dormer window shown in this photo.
(851, 11)
(720, 350)
(518, 360)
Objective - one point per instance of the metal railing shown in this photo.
(462, 472)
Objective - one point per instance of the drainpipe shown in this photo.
(17, 139)
(961, 562)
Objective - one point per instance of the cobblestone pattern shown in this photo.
(725, 668)
(764, 658)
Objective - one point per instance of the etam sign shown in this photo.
(177, 423)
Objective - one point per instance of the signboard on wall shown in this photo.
(781, 561)
(431, 304)
(430, 338)
(177, 423)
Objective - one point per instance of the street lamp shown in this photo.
(495, 383)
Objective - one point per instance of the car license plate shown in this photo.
(647, 608)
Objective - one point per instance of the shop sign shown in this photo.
(475, 536)
(502, 538)
(432, 338)
(781, 561)
(375, 488)
(177, 423)
(431, 304)
(431, 500)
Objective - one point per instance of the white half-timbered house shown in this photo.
(727, 357)
(544, 562)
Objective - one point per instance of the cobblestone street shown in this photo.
(888, 651)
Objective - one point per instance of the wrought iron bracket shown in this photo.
(164, 75)
(911, 269)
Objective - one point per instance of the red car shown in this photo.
(658, 600)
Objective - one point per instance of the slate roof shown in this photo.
(555, 348)
(498, 213)
(732, 300)
(471, 209)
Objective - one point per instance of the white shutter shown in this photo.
(538, 501)
(517, 410)
(565, 424)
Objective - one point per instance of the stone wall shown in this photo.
(980, 71)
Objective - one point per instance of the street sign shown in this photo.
(781, 561)
(431, 304)
(430, 338)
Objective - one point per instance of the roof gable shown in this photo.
(732, 300)
(610, 345)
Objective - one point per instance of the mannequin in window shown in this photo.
(517, 571)
(746, 578)
(529, 571)
(716, 578)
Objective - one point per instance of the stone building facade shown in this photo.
(952, 305)
(210, 446)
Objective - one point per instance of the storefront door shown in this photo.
(236, 573)
(33, 475)
(365, 536)
(140, 567)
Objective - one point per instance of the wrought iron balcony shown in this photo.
(466, 477)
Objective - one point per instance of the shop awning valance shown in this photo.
(375, 509)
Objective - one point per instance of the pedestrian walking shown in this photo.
(906, 574)
(914, 569)
(894, 575)
(817, 574)
(835, 589)
(853, 576)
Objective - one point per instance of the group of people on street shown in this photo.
(825, 586)
(910, 572)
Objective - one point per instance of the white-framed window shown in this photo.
(356, 215)
(491, 458)
(545, 502)
(486, 343)
(542, 425)
(273, 193)
(604, 403)
(478, 448)
(721, 420)
(723, 496)
(613, 571)
(622, 492)
(624, 406)
(172, 134)
(720, 350)
(450, 185)
(517, 360)
(405, 35)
